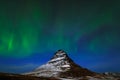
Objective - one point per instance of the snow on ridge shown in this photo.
(56, 59)
(48, 67)
(60, 53)
(66, 66)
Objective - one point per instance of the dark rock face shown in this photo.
(75, 70)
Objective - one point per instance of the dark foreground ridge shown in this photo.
(9, 76)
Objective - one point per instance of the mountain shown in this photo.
(61, 65)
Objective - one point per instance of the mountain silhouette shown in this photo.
(61, 65)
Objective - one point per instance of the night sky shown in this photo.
(31, 31)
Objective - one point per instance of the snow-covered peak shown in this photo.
(60, 65)
(60, 59)
(59, 54)
(59, 62)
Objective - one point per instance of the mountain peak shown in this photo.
(60, 65)
(60, 54)
(61, 51)
(60, 59)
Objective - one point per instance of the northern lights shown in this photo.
(32, 30)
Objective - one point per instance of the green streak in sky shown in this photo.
(27, 27)
(10, 43)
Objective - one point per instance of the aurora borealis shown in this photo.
(32, 30)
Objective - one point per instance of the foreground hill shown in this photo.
(8, 76)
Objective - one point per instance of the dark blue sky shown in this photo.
(31, 31)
